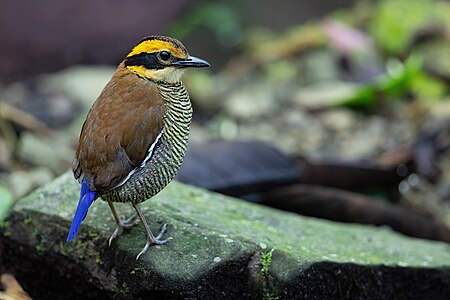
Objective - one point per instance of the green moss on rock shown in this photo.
(215, 240)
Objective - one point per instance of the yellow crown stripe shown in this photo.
(152, 46)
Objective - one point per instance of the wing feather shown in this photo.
(120, 128)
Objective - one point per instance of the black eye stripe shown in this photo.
(150, 60)
(147, 60)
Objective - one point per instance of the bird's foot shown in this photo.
(157, 239)
(151, 240)
(128, 223)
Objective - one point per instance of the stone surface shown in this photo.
(6, 201)
(21, 183)
(35, 149)
(221, 249)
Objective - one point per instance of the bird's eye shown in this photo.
(164, 55)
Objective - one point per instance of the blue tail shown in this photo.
(86, 198)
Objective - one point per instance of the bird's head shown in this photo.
(161, 59)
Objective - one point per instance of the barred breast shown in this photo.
(165, 155)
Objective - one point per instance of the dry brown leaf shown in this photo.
(12, 289)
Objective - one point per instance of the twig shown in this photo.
(24, 119)
(344, 206)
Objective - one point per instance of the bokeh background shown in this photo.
(354, 94)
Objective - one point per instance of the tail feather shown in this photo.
(86, 198)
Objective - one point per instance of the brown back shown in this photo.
(122, 124)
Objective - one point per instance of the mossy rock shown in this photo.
(221, 249)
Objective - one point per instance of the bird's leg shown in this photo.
(120, 223)
(151, 239)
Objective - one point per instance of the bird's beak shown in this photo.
(191, 62)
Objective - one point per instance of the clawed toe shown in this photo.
(128, 223)
(161, 233)
(162, 242)
(154, 242)
(151, 240)
(143, 250)
(114, 235)
(158, 239)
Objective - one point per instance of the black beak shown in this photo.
(191, 62)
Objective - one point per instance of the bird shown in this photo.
(135, 135)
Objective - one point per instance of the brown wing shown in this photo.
(118, 131)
